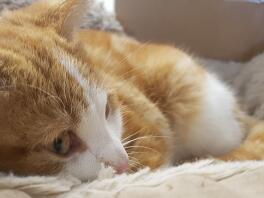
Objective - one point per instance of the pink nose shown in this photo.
(121, 168)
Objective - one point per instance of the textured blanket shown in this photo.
(195, 180)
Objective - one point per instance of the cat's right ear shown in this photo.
(64, 16)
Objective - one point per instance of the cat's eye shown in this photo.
(61, 144)
(66, 144)
(107, 110)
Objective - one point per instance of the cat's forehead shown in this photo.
(94, 92)
(48, 68)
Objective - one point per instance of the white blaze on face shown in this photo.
(102, 136)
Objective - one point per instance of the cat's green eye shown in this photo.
(61, 144)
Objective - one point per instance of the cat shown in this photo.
(73, 99)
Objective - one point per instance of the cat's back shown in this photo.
(164, 74)
(118, 51)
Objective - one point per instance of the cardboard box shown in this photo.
(221, 29)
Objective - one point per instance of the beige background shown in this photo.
(211, 28)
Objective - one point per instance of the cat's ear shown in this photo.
(64, 15)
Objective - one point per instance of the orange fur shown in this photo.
(252, 148)
(158, 88)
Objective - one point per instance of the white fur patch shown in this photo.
(102, 136)
(69, 64)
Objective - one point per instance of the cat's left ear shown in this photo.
(64, 16)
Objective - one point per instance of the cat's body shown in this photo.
(66, 99)
(165, 90)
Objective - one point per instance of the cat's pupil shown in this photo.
(58, 145)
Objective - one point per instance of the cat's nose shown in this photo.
(122, 168)
(115, 156)
(120, 163)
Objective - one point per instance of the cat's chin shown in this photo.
(84, 167)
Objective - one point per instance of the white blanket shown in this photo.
(203, 179)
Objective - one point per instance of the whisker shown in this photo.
(131, 153)
(143, 137)
(142, 147)
(130, 136)
(136, 162)
(133, 134)
(130, 170)
(133, 163)
(136, 165)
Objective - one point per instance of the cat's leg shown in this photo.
(147, 136)
(146, 143)
(146, 146)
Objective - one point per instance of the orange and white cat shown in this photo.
(70, 100)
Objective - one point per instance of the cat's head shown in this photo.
(57, 115)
